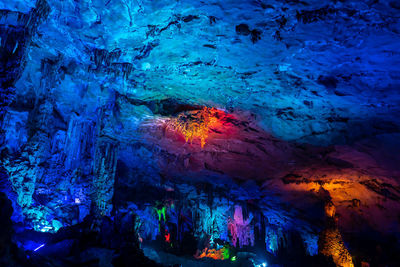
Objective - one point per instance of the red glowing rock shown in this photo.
(167, 237)
(220, 254)
(197, 125)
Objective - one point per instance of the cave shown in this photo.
(199, 133)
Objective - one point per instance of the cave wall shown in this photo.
(97, 98)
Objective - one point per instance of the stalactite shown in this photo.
(215, 225)
(12, 58)
(240, 228)
(104, 58)
(13, 41)
(274, 238)
(79, 142)
(195, 124)
(125, 68)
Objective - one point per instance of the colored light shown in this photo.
(196, 124)
(233, 258)
(167, 237)
(220, 254)
(39, 247)
(46, 228)
(161, 212)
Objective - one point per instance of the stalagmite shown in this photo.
(105, 163)
(331, 243)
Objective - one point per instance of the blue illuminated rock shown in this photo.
(307, 104)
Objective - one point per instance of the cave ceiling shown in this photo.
(274, 103)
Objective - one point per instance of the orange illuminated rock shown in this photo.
(358, 179)
(330, 241)
(331, 244)
(220, 254)
(330, 209)
(196, 124)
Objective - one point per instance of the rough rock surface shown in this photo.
(330, 242)
(98, 116)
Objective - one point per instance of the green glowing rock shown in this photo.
(225, 253)
(161, 212)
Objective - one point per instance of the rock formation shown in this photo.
(207, 128)
(330, 242)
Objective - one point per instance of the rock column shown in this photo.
(330, 242)
(105, 163)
